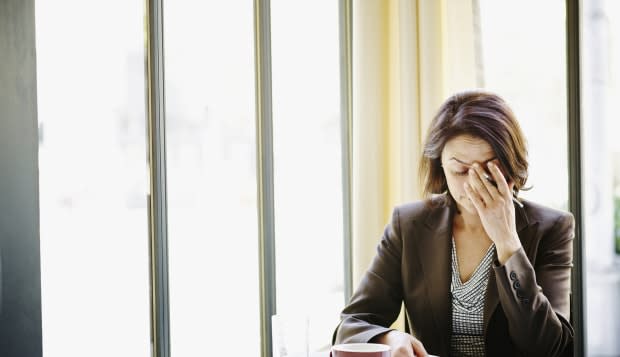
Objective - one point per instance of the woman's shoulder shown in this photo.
(420, 209)
(545, 215)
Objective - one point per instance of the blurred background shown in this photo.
(331, 198)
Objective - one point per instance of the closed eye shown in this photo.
(460, 173)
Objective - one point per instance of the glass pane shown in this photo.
(307, 147)
(601, 173)
(526, 65)
(212, 207)
(93, 178)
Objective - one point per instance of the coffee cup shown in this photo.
(360, 350)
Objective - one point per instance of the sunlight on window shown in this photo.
(93, 178)
(601, 159)
(307, 164)
(212, 208)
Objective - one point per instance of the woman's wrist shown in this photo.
(506, 248)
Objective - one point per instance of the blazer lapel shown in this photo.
(434, 254)
(525, 234)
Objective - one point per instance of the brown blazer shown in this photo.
(527, 303)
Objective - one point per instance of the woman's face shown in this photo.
(458, 155)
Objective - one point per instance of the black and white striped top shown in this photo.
(468, 307)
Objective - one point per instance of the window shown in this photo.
(93, 178)
(211, 152)
(600, 67)
(307, 164)
(94, 174)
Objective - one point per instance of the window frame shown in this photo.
(575, 202)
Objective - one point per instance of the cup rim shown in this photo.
(361, 347)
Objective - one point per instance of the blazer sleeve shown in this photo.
(376, 303)
(536, 300)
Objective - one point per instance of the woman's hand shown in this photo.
(402, 344)
(495, 208)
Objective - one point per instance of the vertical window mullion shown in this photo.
(20, 204)
(346, 105)
(158, 232)
(264, 148)
(574, 160)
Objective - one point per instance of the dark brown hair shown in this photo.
(482, 115)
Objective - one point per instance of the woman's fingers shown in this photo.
(498, 176)
(480, 184)
(401, 344)
(418, 348)
(474, 197)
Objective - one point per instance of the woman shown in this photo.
(479, 271)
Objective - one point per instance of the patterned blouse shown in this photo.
(468, 307)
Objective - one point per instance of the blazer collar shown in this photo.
(435, 255)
